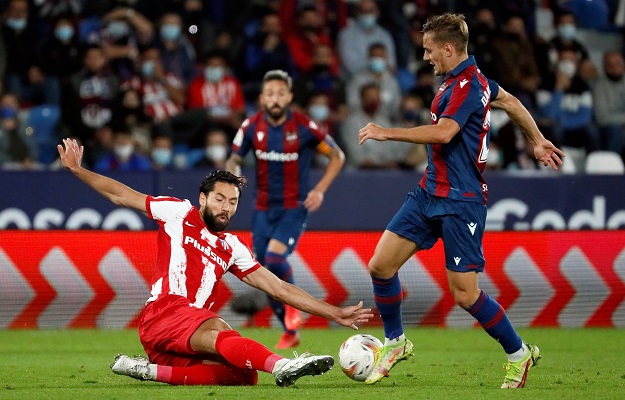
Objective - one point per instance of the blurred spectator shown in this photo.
(24, 75)
(162, 152)
(377, 71)
(321, 113)
(566, 101)
(354, 40)
(609, 100)
(124, 31)
(566, 39)
(129, 112)
(216, 148)
(60, 54)
(482, 38)
(18, 149)
(177, 53)
(514, 150)
(519, 75)
(425, 86)
(333, 14)
(265, 51)
(593, 14)
(219, 93)
(371, 154)
(163, 97)
(322, 78)
(393, 18)
(54, 9)
(305, 37)
(413, 113)
(89, 102)
(124, 156)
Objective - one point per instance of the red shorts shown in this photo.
(166, 327)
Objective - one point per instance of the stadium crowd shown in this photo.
(165, 84)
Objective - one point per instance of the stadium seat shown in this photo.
(43, 120)
(573, 163)
(604, 162)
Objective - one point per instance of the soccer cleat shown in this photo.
(387, 358)
(135, 367)
(288, 340)
(306, 364)
(292, 318)
(516, 372)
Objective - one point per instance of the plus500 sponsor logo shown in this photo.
(548, 219)
(82, 218)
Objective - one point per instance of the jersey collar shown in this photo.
(461, 67)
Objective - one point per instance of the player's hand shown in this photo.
(313, 200)
(371, 131)
(71, 155)
(548, 154)
(350, 316)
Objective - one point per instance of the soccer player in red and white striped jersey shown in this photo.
(187, 343)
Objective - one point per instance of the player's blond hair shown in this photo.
(449, 28)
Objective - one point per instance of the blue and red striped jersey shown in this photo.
(283, 155)
(455, 169)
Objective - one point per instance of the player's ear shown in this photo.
(202, 199)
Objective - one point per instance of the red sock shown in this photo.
(245, 353)
(206, 374)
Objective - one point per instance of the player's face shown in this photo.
(434, 53)
(275, 98)
(218, 207)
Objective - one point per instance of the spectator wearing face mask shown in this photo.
(566, 39)
(377, 71)
(609, 98)
(219, 93)
(124, 156)
(162, 152)
(215, 150)
(61, 54)
(177, 52)
(371, 154)
(566, 105)
(354, 40)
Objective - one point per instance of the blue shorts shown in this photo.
(283, 224)
(424, 218)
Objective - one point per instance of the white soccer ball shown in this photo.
(358, 354)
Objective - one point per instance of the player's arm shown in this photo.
(292, 295)
(442, 133)
(544, 150)
(233, 164)
(116, 192)
(330, 149)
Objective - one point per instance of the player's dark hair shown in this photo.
(278, 75)
(208, 184)
(449, 28)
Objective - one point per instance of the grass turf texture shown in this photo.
(448, 364)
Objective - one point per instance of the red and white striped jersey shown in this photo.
(156, 101)
(192, 259)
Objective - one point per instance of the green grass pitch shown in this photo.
(448, 364)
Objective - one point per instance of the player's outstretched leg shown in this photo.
(288, 371)
(516, 372)
(388, 357)
(135, 367)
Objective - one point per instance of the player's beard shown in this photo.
(213, 223)
(275, 112)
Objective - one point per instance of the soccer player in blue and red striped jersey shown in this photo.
(284, 142)
(450, 200)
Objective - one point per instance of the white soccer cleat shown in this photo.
(306, 364)
(135, 367)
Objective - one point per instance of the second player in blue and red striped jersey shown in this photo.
(283, 142)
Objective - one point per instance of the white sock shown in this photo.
(279, 364)
(519, 354)
(396, 341)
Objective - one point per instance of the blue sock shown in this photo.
(278, 264)
(495, 322)
(387, 295)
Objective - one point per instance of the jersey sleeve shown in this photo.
(243, 140)
(494, 89)
(163, 208)
(243, 261)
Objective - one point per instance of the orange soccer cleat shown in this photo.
(288, 340)
(292, 318)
